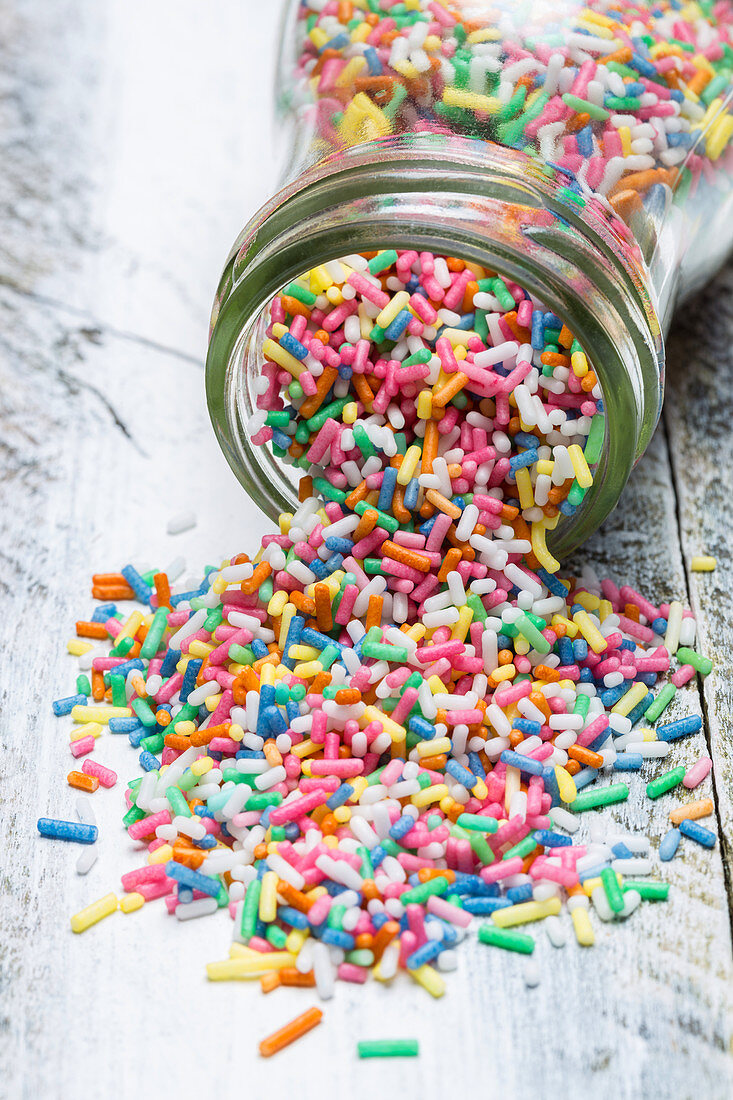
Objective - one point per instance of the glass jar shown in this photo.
(582, 152)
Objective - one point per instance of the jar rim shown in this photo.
(487, 204)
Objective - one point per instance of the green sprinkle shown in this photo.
(660, 703)
(250, 910)
(650, 889)
(389, 523)
(613, 892)
(594, 442)
(123, 648)
(177, 802)
(388, 1048)
(421, 893)
(361, 957)
(687, 656)
(262, 799)
(665, 782)
(155, 633)
(382, 261)
(524, 848)
(117, 683)
(332, 411)
(243, 655)
(295, 290)
(476, 823)
(506, 938)
(331, 492)
(83, 686)
(381, 651)
(133, 814)
(605, 796)
(529, 631)
(153, 743)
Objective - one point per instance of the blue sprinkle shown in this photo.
(67, 830)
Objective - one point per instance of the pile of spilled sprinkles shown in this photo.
(382, 729)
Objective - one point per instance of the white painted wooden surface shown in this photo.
(135, 142)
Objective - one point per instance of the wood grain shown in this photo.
(127, 171)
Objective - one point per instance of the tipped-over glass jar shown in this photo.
(580, 151)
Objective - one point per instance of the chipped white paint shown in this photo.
(127, 169)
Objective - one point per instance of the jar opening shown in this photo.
(441, 208)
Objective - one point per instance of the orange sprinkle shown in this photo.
(258, 578)
(82, 781)
(162, 589)
(692, 811)
(290, 1032)
(322, 597)
(443, 504)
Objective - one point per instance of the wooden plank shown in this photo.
(103, 437)
(698, 418)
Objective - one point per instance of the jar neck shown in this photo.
(480, 202)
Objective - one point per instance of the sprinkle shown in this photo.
(388, 1048)
(184, 521)
(291, 1031)
(703, 564)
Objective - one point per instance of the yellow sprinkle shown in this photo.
(545, 466)
(504, 672)
(584, 933)
(409, 462)
(277, 603)
(350, 412)
(580, 467)
(184, 729)
(211, 702)
(429, 979)
(565, 784)
(305, 748)
(287, 612)
(719, 137)
(77, 648)
(298, 936)
(524, 488)
(307, 670)
(203, 765)
(703, 564)
(97, 911)
(283, 358)
(298, 652)
(268, 897)
(590, 632)
(99, 714)
(627, 702)
(92, 729)
(342, 814)
(394, 729)
(131, 902)
(525, 912)
(579, 363)
(359, 784)
(458, 337)
(430, 795)
(460, 629)
(244, 968)
(434, 747)
(605, 608)
(161, 855)
(587, 600)
(539, 548)
(200, 649)
(393, 307)
(425, 405)
(571, 628)
(471, 101)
